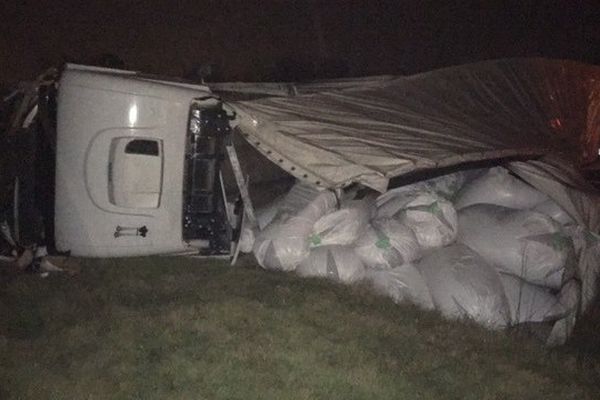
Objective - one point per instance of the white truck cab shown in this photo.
(138, 166)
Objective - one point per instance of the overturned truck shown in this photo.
(133, 164)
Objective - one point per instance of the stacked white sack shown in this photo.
(281, 208)
(338, 263)
(497, 186)
(386, 243)
(402, 284)
(531, 303)
(266, 215)
(431, 217)
(291, 203)
(587, 250)
(462, 284)
(446, 185)
(285, 241)
(342, 227)
(247, 239)
(521, 242)
(554, 211)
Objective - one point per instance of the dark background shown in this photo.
(291, 40)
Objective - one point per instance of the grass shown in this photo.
(176, 328)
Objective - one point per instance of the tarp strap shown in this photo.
(242, 184)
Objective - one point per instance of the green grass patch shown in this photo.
(177, 328)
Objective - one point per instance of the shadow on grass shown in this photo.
(585, 341)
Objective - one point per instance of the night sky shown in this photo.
(291, 40)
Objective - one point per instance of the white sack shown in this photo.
(431, 217)
(284, 206)
(386, 243)
(499, 187)
(342, 227)
(338, 263)
(266, 215)
(462, 284)
(521, 242)
(447, 185)
(570, 298)
(299, 197)
(530, 303)
(285, 242)
(246, 241)
(587, 250)
(554, 211)
(402, 284)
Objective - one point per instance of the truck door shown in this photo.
(135, 172)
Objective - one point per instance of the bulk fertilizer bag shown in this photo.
(246, 240)
(402, 284)
(463, 285)
(431, 217)
(285, 242)
(521, 242)
(386, 243)
(554, 211)
(299, 196)
(266, 215)
(499, 187)
(338, 263)
(530, 303)
(447, 185)
(342, 227)
(587, 249)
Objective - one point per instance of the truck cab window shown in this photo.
(143, 147)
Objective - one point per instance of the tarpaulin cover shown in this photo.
(380, 128)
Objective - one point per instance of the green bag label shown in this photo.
(560, 241)
(591, 237)
(315, 239)
(434, 208)
(383, 242)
